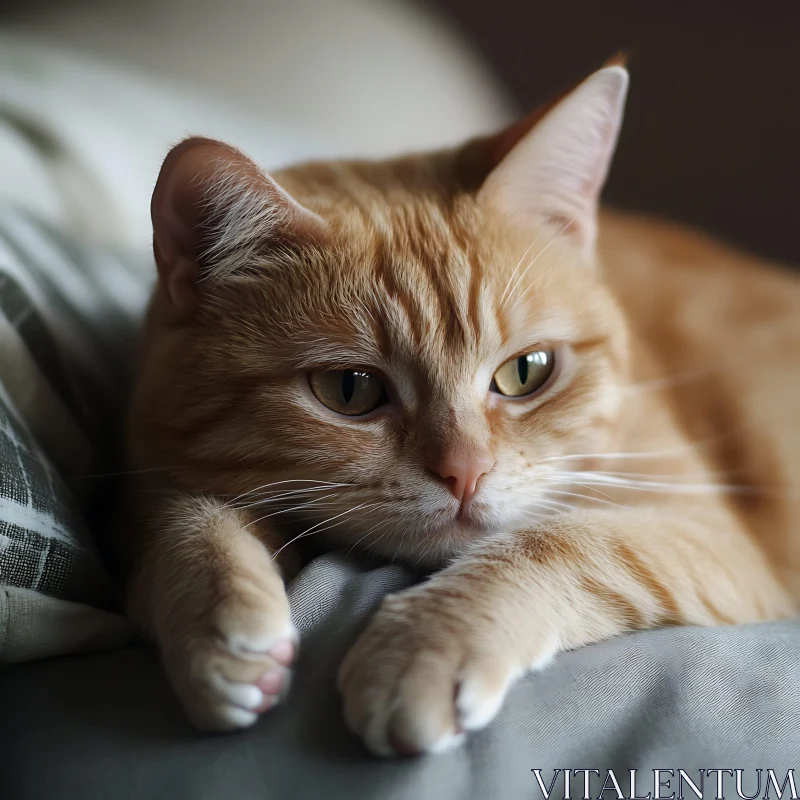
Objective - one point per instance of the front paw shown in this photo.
(234, 666)
(430, 666)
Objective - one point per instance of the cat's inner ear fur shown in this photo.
(557, 168)
(216, 213)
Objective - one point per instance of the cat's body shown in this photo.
(435, 359)
(721, 335)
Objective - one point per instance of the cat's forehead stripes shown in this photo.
(433, 268)
(428, 288)
(428, 267)
(435, 306)
(412, 240)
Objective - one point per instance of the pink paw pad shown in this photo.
(271, 684)
(283, 652)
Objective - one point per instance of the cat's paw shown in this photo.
(237, 666)
(426, 670)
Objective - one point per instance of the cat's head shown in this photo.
(395, 355)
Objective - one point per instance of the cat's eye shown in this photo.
(353, 392)
(523, 375)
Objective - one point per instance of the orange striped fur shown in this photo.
(651, 483)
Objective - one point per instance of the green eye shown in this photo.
(524, 374)
(348, 391)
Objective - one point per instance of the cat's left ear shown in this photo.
(216, 213)
(556, 170)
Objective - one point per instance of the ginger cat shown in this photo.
(588, 423)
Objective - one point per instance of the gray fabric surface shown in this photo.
(106, 725)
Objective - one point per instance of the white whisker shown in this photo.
(291, 480)
(315, 528)
(670, 477)
(377, 525)
(669, 453)
(601, 479)
(288, 510)
(294, 493)
(552, 503)
(519, 263)
(569, 479)
(608, 502)
(535, 259)
(374, 544)
(553, 510)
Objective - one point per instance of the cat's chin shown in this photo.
(440, 542)
(449, 540)
(432, 541)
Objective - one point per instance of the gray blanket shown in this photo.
(106, 725)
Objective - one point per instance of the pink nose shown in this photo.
(462, 474)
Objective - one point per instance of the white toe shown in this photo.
(244, 695)
(449, 742)
(233, 717)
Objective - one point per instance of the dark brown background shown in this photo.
(712, 130)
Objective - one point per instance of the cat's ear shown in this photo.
(213, 209)
(557, 167)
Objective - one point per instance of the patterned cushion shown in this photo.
(67, 317)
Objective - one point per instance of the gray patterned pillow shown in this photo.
(67, 316)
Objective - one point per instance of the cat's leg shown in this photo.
(210, 595)
(438, 659)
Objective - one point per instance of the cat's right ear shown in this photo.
(552, 165)
(213, 210)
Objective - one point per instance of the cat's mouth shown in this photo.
(472, 517)
(479, 517)
(468, 514)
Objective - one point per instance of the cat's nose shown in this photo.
(462, 475)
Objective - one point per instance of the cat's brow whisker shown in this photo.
(534, 260)
(545, 274)
(519, 263)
